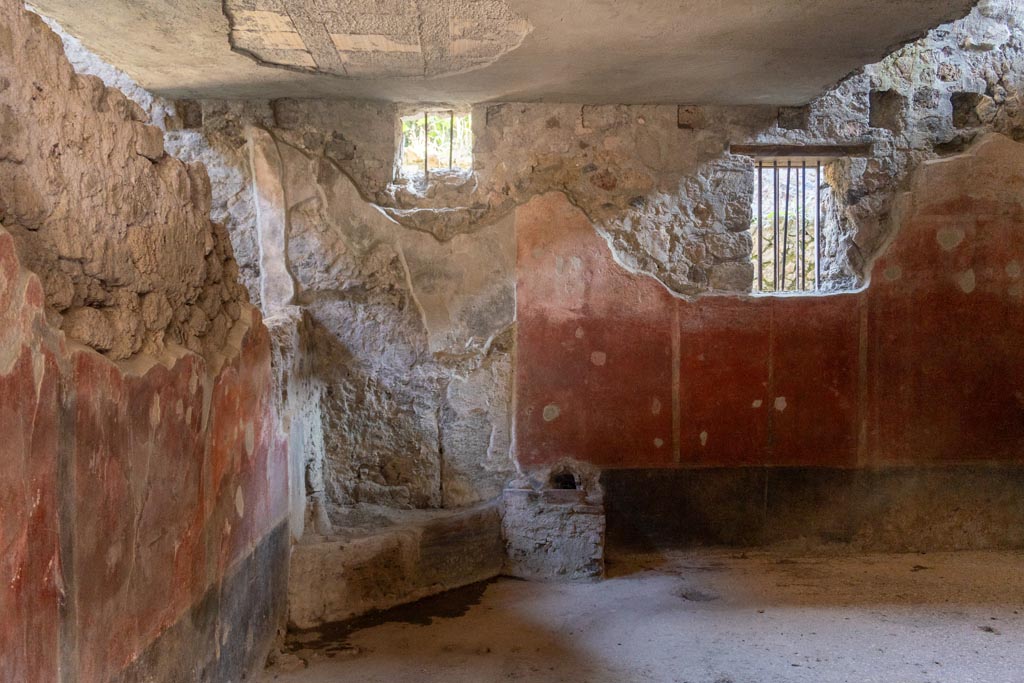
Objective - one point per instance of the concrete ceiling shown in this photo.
(458, 51)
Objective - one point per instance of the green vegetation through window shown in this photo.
(436, 141)
(786, 225)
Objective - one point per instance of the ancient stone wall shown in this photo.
(80, 161)
(920, 368)
(656, 182)
(407, 334)
(406, 326)
(889, 418)
(143, 481)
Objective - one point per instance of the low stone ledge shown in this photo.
(334, 578)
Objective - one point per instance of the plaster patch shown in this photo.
(598, 358)
(703, 439)
(780, 403)
(114, 554)
(154, 412)
(250, 438)
(967, 281)
(949, 238)
(361, 39)
(551, 412)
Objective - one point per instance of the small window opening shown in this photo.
(786, 225)
(435, 141)
(787, 212)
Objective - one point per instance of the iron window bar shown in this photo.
(789, 217)
(426, 141)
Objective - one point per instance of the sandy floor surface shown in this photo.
(711, 616)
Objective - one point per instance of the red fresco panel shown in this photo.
(166, 501)
(598, 384)
(923, 367)
(139, 558)
(29, 521)
(249, 487)
(946, 318)
(815, 381)
(723, 379)
(29, 620)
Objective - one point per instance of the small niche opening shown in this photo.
(565, 481)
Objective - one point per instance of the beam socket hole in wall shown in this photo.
(435, 141)
(966, 106)
(888, 110)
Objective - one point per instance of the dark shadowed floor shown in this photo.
(713, 616)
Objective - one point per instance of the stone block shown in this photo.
(554, 534)
(149, 141)
(415, 555)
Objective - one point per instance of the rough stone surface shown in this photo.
(70, 146)
(379, 558)
(402, 325)
(553, 524)
(135, 494)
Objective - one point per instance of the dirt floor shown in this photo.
(699, 617)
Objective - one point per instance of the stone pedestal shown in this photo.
(553, 534)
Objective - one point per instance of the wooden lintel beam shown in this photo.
(808, 151)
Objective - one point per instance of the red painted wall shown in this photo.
(925, 366)
(125, 492)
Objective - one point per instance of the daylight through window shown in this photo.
(436, 141)
(786, 226)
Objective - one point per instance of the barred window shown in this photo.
(436, 141)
